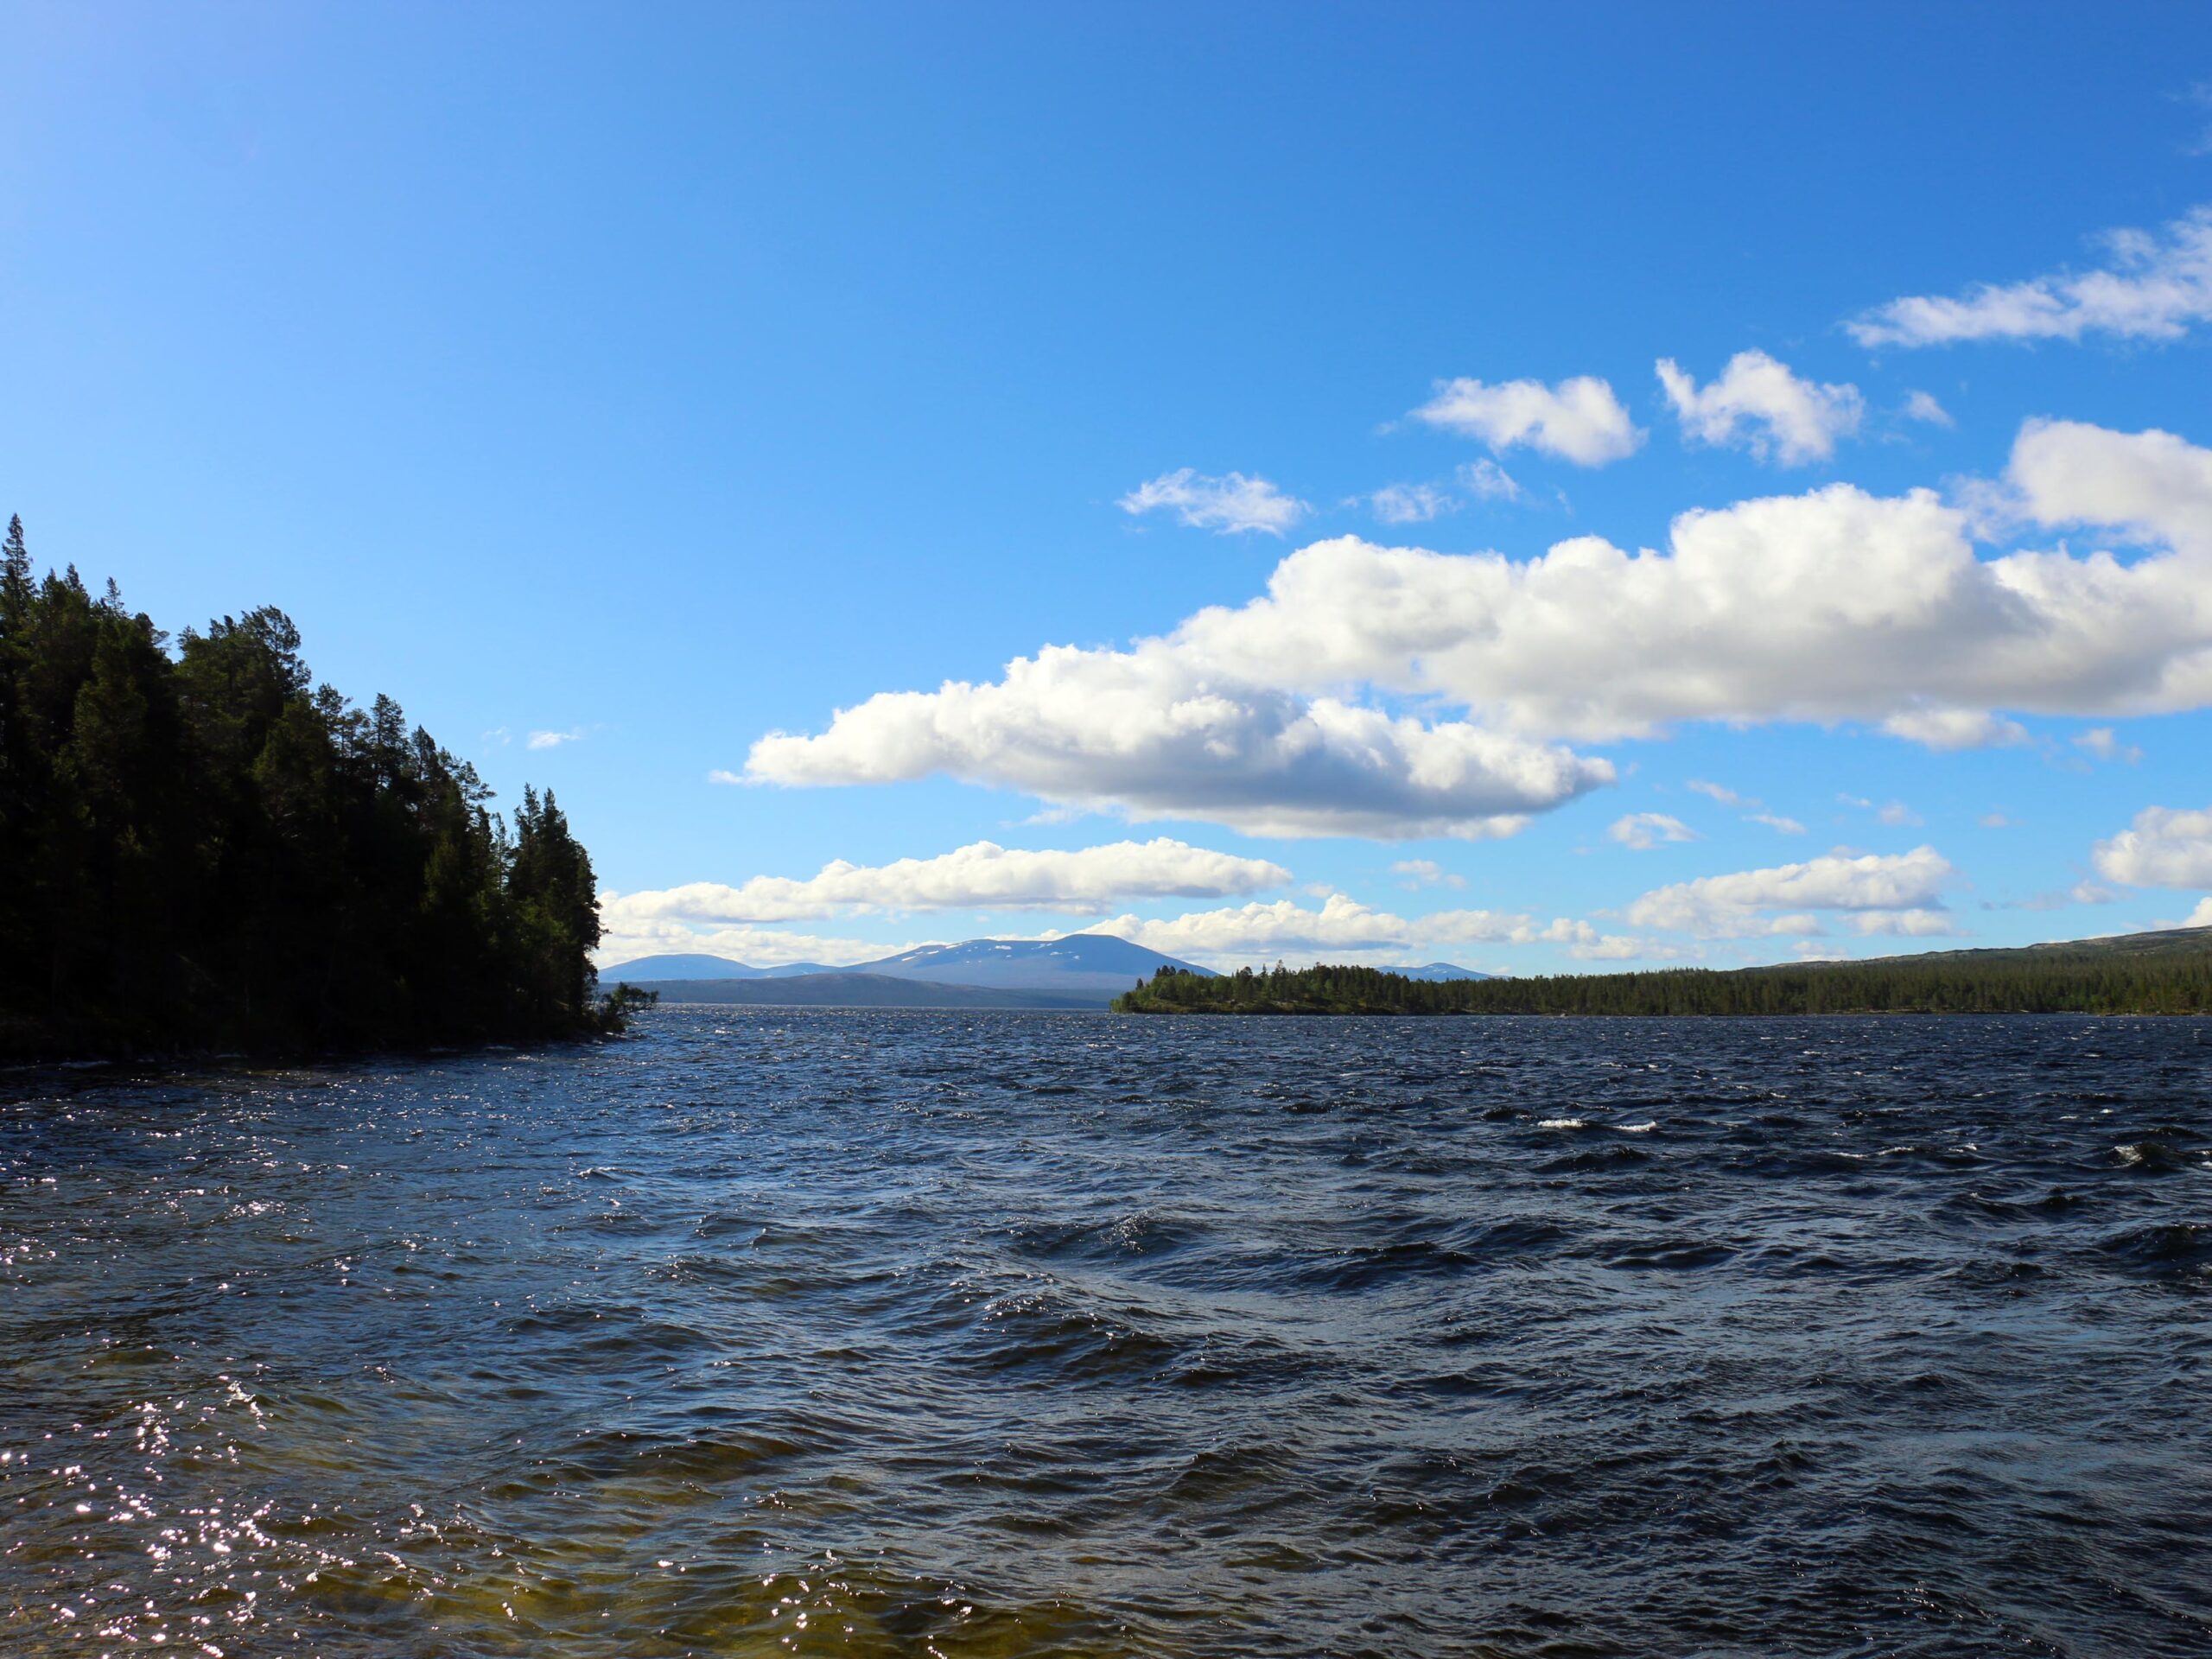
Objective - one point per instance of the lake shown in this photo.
(771, 1332)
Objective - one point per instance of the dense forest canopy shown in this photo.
(202, 848)
(2147, 974)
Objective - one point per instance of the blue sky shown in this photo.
(674, 377)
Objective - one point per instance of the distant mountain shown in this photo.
(1095, 964)
(1092, 967)
(849, 990)
(647, 971)
(1440, 970)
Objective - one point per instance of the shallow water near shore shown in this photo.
(910, 1333)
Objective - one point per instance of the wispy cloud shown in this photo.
(1488, 481)
(1412, 504)
(1226, 505)
(2152, 285)
(1751, 806)
(2081, 893)
(1640, 831)
(1420, 504)
(554, 740)
(1922, 407)
(2200, 95)
(2099, 743)
(1893, 813)
(1420, 873)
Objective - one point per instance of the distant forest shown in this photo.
(203, 850)
(2157, 973)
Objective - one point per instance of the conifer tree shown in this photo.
(203, 850)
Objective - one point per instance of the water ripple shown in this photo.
(976, 1334)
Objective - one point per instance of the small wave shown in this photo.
(1675, 1255)
(2156, 1155)
(1644, 1128)
(2162, 1247)
(1607, 1155)
(1562, 1124)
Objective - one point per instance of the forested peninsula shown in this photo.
(205, 851)
(2166, 972)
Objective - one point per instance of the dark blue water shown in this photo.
(895, 1333)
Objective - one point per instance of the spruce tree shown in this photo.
(203, 850)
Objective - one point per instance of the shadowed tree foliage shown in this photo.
(201, 848)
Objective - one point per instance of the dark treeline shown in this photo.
(2160, 978)
(201, 849)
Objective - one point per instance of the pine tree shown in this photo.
(14, 576)
(203, 850)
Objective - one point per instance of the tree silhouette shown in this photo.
(203, 850)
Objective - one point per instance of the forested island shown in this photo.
(2166, 972)
(205, 851)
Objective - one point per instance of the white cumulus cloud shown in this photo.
(1343, 929)
(1225, 505)
(1278, 715)
(1149, 731)
(1579, 420)
(2152, 285)
(1883, 892)
(554, 740)
(2152, 486)
(1759, 405)
(1832, 605)
(981, 876)
(2164, 847)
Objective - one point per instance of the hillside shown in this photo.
(1099, 964)
(2168, 972)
